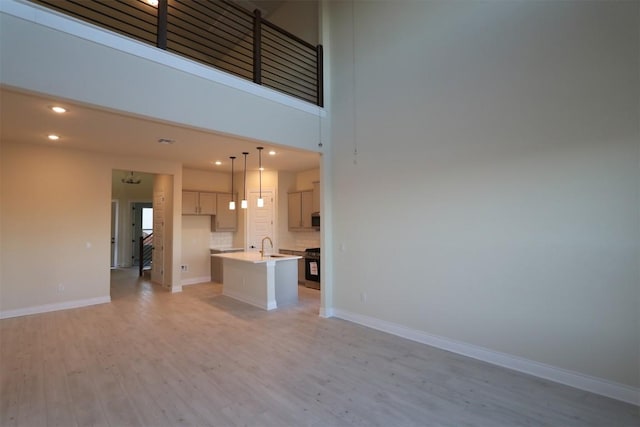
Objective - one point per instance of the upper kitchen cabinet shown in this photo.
(198, 203)
(300, 209)
(189, 203)
(225, 219)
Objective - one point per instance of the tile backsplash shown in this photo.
(305, 240)
(302, 240)
(221, 239)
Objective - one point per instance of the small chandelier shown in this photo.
(260, 199)
(131, 179)
(232, 203)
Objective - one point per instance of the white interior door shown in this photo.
(260, 221)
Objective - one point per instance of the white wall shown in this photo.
(494, 199)
(52, 54)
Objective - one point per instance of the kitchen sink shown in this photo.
(276, 256)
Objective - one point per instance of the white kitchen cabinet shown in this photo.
(225, 219)
(198, 203)
(300, 208)
(190, 203)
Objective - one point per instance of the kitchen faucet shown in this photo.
(270, 241)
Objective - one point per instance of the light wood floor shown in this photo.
(198, 358)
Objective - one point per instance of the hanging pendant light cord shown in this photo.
(245, 176)
(232, 196)
(260, 168)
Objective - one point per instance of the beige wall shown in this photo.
(55, 222)
(305, 179)
(55, 226)
(500, 162)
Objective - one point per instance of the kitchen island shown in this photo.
(266, 282)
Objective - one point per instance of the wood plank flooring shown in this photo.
(151, 358)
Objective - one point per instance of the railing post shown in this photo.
(319, 76)
(163, 14)
(257, 47)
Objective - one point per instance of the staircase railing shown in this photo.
(146, 253)
(218, 33)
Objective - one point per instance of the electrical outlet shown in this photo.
(184, 267)
(363, 297)
(60, 287)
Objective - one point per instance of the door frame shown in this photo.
(115, 232)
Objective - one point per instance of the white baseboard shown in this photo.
(595, 385)
(270, 305)
(53, 307)
(326, 312)
(195, 280)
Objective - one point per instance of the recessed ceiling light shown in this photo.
(53, 137)
(153, 3)
(218, 162)
(166, 141)
(272, 153)
(58, 109)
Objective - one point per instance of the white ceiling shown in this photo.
(27, 118)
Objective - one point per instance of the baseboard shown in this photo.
(326, 312)
(53, 307)
(580, 381)
(270, 305)
(195, 280)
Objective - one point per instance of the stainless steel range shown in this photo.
(312, 267)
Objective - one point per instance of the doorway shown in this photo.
(142, 226)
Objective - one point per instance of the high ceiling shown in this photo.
(27, 118)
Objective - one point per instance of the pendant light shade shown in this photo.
(232, 203)
(260, 199)
(244, 204)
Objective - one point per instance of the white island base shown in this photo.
(267, 282)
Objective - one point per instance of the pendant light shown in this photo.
(232, 203)
(260, 199)
(244, 204)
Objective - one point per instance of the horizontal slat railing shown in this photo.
(146, 253)
(218, 33)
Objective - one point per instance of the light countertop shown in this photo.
(255, 257)
(226, 249)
